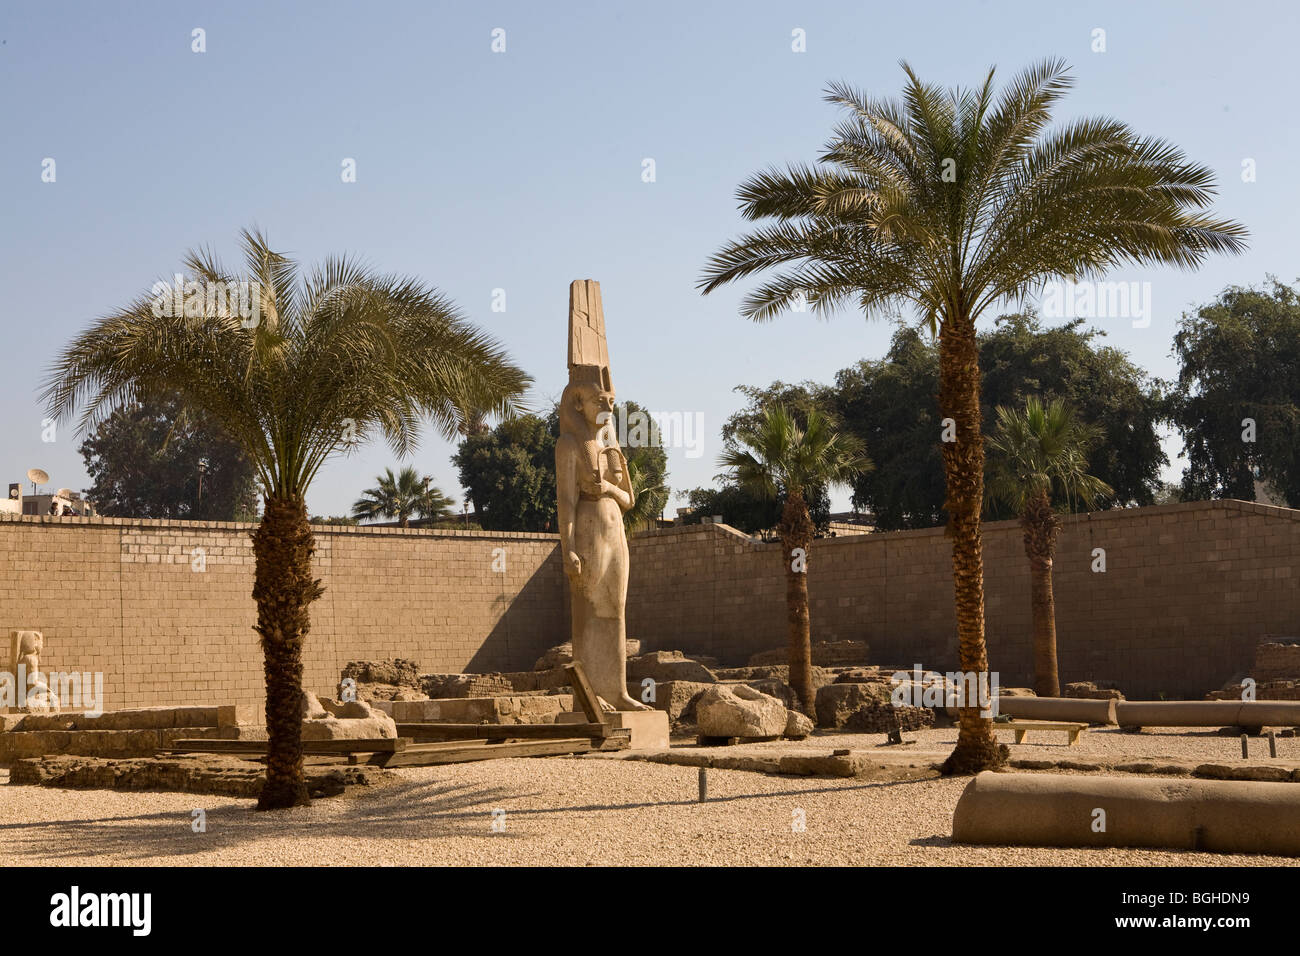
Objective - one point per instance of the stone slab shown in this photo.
(478, 710)
(140, 718)
(649, 728)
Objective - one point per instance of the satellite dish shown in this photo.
(37, 476)
(65, 493)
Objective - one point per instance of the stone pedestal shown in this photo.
(649, 727)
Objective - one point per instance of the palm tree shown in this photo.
(780, 458)
(401, 496)
(325, 361)
(947, 202)
(1040, 455)
(649, 493)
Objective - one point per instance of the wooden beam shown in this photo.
(583, 695)
(314, 747)
(432, 731)
(464, 751)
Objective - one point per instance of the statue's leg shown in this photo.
(615, 630)
(603, 652)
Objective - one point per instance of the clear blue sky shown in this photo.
(522, 170)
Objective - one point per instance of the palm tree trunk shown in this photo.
(1041, 526)
(796, 530)
(963, 465)
(283, 588)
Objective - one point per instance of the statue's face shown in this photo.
(596, 406)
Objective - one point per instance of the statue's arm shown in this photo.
(566, 488)
(621, 492)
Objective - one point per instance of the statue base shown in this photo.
(649, 727)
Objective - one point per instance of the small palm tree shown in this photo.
(649, 494)
(326, 360)
(947, 202)
(780, 458)
(1040, 457)
(402, 496)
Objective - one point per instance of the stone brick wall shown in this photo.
(125, 597)
(1188, 592)
(1277, 661)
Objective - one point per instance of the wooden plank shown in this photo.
(429, 755)
(431, 731)
(583, 695)
(359, 745)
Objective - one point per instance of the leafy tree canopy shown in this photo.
(147, 461)
(509, 471)
(890, 405)
(1239, 359)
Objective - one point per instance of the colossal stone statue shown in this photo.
(594, 490)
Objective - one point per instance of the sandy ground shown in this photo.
(584, 811)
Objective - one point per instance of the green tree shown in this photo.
(1039, 461)
(151, 460)
(509, 472)
(890, 405)
(1237, 399)
(320, 361)
(742, 509)
(344, 520)
(1019, 359)
(402, 496)
(948, 202)
(778, 456)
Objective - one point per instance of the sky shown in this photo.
(524, 169)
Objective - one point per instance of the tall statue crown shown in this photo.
(588, 352)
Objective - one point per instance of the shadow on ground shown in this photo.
(408, 811)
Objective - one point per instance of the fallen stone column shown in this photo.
(1055, 708)
(1060, 810)
(1208, 713)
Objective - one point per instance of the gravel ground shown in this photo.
(1189, 744)
(574, 811)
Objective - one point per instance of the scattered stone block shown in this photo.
(438, 686)
(677, 698)
(561, 654)
(351, 720)
(739, 711)
(797, 726)
(867, 708)
(390, 679)
(1087, 690)
(189, 773)
(481, 710)
(824, 654)
(666, 666)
